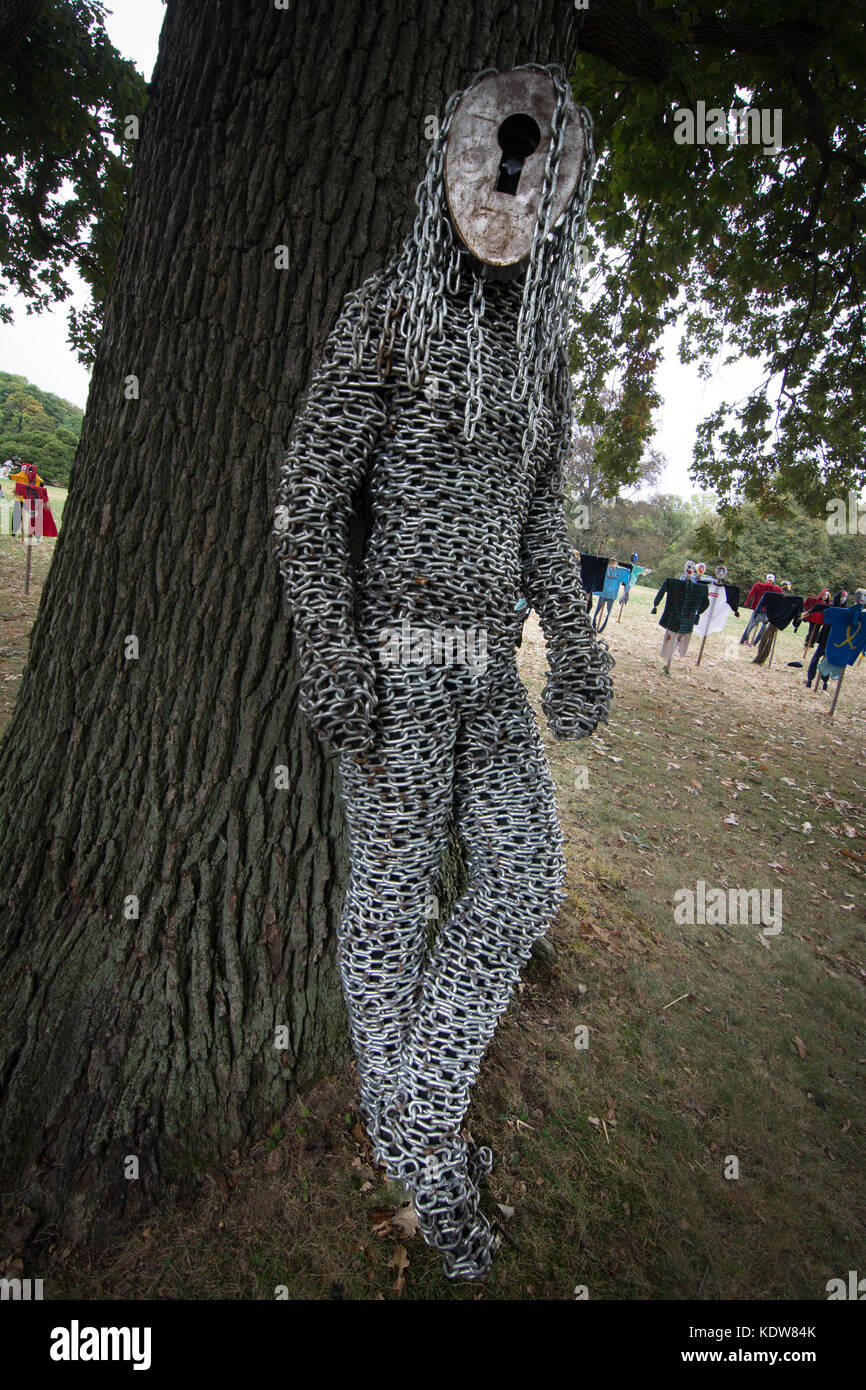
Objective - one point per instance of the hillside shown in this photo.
(39, 427)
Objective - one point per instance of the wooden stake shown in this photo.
(701, 652)
(838, 688)
(773, 645)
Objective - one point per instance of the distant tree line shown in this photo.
(667, 530)
(38, 427)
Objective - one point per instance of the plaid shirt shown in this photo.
(685, 604)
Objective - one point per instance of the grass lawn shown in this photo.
(712, 1049)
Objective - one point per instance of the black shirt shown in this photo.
(593, 569)
(782, 609)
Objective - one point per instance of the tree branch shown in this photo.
(17, 18)
(612, 30)
(617, 32)
(787, 37)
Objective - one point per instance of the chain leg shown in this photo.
(507, 819)
(397, 804)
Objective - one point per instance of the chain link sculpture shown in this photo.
(441, 411)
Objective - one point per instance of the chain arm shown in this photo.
(321, 481)
(578, 690)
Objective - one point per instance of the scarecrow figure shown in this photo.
(31, 511)
(441, 413)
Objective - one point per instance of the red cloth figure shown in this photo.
(809, 604)
(31, 489)
(757, 591)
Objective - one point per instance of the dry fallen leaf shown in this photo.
(800, 1045)
(380, 1220)
(400, 1261)
(405, 1221)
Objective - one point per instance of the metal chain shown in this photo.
(462, 487)
(473, 366)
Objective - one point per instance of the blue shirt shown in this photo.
(615, 576)
(847, 637)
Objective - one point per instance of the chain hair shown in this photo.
(432, 267)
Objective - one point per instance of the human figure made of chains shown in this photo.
(440, 411)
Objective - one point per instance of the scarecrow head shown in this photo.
(514, 154)
(504, 197)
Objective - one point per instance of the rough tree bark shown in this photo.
(152, 777)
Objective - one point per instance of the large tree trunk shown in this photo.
(153, 777)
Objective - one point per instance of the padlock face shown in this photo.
(495, 162)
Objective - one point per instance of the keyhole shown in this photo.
(518, 138)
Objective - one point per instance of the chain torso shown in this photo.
(446, 514)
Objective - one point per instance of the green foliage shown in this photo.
(660, 529)
(755, 255)
(585, 481)
(667, 530)
(795, 546)
(39, 427)
(64, 166)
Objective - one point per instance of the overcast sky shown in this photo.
(37, 347)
